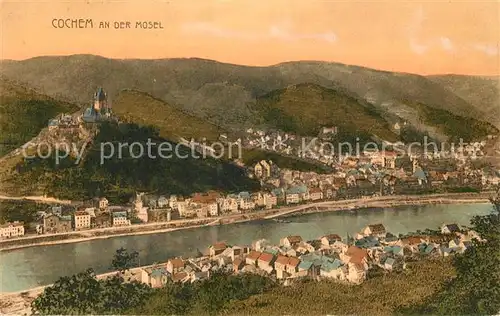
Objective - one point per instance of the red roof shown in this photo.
(254, 255)
(282, 260)
(266, 257)
(357, 254)
(412, 240)
(293, 261)
(219, 246)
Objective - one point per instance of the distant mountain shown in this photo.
(481, 92)
(222, 93)
(24, 112)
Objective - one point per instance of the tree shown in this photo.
(83, 293)
(123, 260)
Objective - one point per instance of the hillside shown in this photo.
(121, 176)
(481, 92)
(172, 122)
(23, 113)
(221, 92)
(375, 296)
(303, 109)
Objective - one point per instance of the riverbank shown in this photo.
(297, 210)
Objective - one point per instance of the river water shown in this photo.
(31, 267)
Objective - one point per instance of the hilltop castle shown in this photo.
(100, 109)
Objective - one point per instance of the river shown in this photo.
(26, 268)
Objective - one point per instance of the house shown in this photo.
(292, 266)
(305, 269)
(101, 220)
(162, 202)
(263, 169)
(332, 269)
(120, 219)
(280, 267)
(356, 272)
(450, 229)
(103, 203)
(155, 276)
(53, 224)
(229, 204)
(175, 265)
(377, 230)
(290, 241)
(180, 277)
(238, 264)
(295, 194)
(328, 240)
(140, 210)
(412, 243)
(12, 229)
(82, 220)
(245, 201)
(265, 262)
(212, 207)
(217, 248)
(252, 257)
(315, 194)
(355, 255)
(329, 192)
(270, 200)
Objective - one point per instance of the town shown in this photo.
(329, 257)
(370, 174)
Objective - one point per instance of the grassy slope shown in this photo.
(23, 113)
(172, 122)
(381, 295)
(304, 108)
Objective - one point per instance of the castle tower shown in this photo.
(100, 100)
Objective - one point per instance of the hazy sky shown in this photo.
(420, 37)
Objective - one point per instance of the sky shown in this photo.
(431, 37)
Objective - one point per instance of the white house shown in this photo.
(13, 229)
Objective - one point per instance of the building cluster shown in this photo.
(65, 121)
(328, 257)
(11, 230)
(94, 214)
